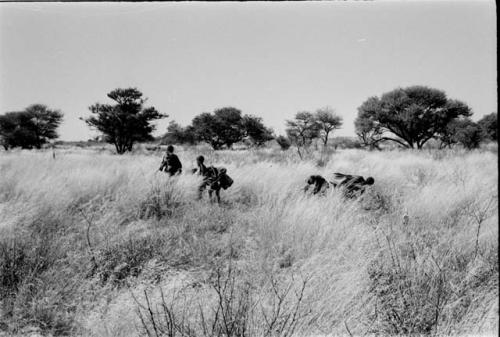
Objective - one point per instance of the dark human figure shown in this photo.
(318, 182)
(353, 186)
(214, 179)
(170, 162)
(201, 168)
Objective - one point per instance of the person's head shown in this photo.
(315, 179)
(200, 159)
(369, 181)
(170, 149)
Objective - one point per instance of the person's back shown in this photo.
(174, 163)
(320, 184)
(171, 163)
(352, 185)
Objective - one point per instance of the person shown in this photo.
(320, 184)
(214, 179)
(171, 163)
(352, 186)
(201, 169)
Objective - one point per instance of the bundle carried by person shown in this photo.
(216, 178)
(225, 180)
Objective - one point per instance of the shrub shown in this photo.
(236, 309)
(161, 201)
(283, 142)
(127, 257)
(32, 293)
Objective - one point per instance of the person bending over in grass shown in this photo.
(318, 182)
(214, 179)
(352, 186)
(170, 162)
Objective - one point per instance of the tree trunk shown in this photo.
(325, 140)
(300, 154)
(120, 148)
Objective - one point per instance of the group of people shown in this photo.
(215, 179)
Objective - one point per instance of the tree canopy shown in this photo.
(256, 131)
(127, 121)
(32, 127)
(227, 126)
(367, 129)
(489, 126)
(408, 116)
(223, 127)
(302, 129)
(176, 134)
(464, 131)
(327, 121)
(208, 129)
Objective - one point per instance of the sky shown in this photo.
(268, 59)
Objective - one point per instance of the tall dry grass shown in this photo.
(95, 244)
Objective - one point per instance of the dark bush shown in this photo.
(283, 142)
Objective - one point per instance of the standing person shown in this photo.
(170, 162)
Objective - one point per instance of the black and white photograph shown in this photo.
(249, 168)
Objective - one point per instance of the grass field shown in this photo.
(95, 244)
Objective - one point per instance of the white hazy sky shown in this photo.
(267, 59)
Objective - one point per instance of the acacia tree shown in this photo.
(177, 134)
(226, 126)
(222, 128)
(446, 136)
(125, 122)
(467, 133)
(408, 116)
(206, 129)
(32, 127)
(230, 125)
(302, 130)
(327, 121)
(489, 126)
(368, 130)
(256, 131)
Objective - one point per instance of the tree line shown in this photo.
(414, 115)
(408, 117)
